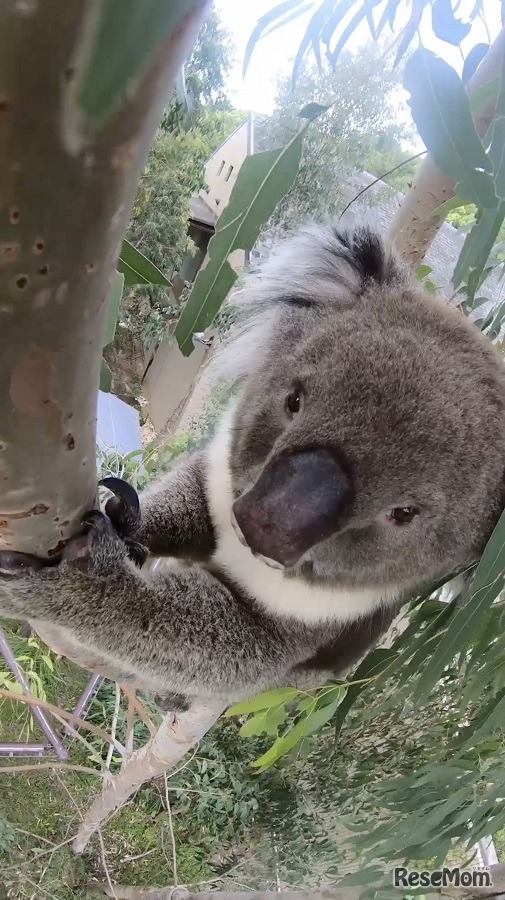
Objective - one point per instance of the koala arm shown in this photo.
(181, 630)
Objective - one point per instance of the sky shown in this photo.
(273, 55)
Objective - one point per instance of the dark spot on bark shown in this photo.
(65, 523)
(69, 74)
(39, 509)
(4, 105)
(56, 519)
(68, 417)
(4, 523)
(2, 446)
(54, 550)
(14, 215)
(69, 442)
(38, 247)
(90, 267)
(22, 282)
(44, 270)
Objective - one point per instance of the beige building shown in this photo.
(169, 377)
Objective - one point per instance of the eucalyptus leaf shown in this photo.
(478, 245)
(119, 49)
(448, 206)
(263, 180)
(473, 60)
(309, 723)
(497, 145)
(137, 269)
(464, 625)
(441, 111)
(341, 8)
(262, 701)
(313, 32)
(445, 25)
(113, 308)
(277, 16)
(105, 377)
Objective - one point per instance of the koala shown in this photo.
(362, 456)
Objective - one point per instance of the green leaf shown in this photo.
(279, 747)
(255, 725)
(263, 180)
(441, 111)
(340, 11)
(488, 719)
(482, 93)
(488, 582)
(105, 377)
(388, 15)
(119, 48)
(448, 206)
(137, 269)
(472, 61)
(497, 145)
(410, 30)
(477, 248)
(365, 11)
(445, 25)
(262, 701)
(423, 270)
(307, 725)
(312, 34)
(374, 663)
(113, 308)
(276, 15)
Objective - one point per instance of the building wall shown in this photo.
(169, 381)
(171, 377)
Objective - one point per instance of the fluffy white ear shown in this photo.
(316, 267)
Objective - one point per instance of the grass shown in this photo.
(39, 811)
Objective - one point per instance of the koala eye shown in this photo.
(294, 401)
(402, 515)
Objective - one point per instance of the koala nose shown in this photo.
(299, 500)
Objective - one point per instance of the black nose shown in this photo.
(299, 500)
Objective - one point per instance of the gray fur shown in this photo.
(408, 396)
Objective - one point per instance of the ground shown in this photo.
(39, 811)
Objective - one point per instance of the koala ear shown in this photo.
(324, 265)
(369, 255)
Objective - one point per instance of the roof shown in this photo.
(200, 212)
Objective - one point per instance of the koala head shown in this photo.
(368, 439)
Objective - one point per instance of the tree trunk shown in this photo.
(414, 226)
(65, 201)
(175, 736)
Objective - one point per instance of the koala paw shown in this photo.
(105, 538)
(15, 565)
(123, 510)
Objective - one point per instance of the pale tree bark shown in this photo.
(65, 200)
(64, 206)
(414, 226)
(176, 735)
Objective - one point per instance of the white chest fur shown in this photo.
(280, 595)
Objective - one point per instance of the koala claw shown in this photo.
(124, 508)
(98, 521)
